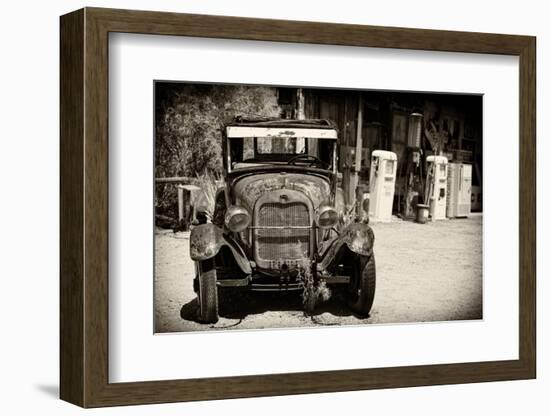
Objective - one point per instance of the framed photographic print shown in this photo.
(256, 207)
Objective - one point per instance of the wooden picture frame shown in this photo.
(84, 207)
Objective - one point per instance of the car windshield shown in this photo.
(286, 145)
(301, 151)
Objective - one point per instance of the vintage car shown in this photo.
(281, 211)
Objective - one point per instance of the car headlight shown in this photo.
(237, 218)
(366, 203)
(327, 216)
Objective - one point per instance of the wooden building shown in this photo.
(450, 125)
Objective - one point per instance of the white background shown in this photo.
(131, 209)
(29, 210)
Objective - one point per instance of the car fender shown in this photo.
(358, 237)
(205, 243)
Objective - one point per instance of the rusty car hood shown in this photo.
(249, 188)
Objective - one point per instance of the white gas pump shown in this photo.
(436, 186)
(383, 169)
(459, 186)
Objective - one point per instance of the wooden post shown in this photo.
(301, 115)
(181, 202)
(300, 104)
(358, 147)
(345, 157)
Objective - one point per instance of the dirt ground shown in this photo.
(430, 272)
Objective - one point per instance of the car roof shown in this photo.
(282, 123)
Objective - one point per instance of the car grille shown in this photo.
(275, 243)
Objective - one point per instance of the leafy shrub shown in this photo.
(189, 119)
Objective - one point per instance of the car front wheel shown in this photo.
(362, 285)
(207, 294)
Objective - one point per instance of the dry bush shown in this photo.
(314, 292)
(209, 183)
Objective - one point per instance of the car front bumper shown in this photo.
(260, 285)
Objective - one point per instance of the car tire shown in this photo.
(208, 297)
(362, 285)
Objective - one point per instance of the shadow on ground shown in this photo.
(49, 390)
(236, 304)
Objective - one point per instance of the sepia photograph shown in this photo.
(299, 206)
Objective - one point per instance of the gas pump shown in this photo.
(436, 186)
(459, 198)
(383, 169)
(412, 167)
